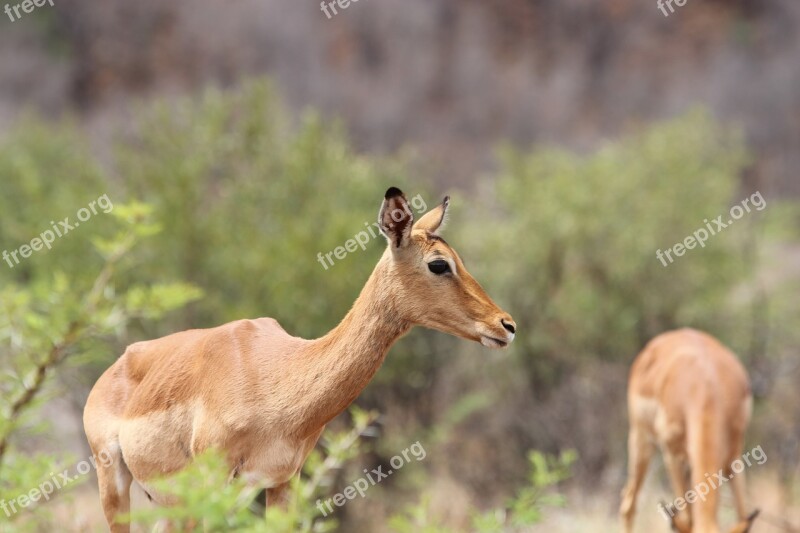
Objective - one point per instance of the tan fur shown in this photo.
(691, 396)
(264, 396)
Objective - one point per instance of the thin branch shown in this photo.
(59, 350)
(29, 394)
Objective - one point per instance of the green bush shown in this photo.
(210, 501)
(524, 510)
(574, 243)
(56, 322)
(246, 197)
(247, 202)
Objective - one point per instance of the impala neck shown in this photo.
(343, 362)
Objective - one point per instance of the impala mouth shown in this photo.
(492, 342)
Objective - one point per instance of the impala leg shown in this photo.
(640, 450)
(737, 487)
(165, 525)
(279, 495)
(676, 469)
(114, 481)
(737, 480)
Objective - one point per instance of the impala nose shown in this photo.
(508, 325)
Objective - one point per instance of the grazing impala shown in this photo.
(262, 396)
(691, 396)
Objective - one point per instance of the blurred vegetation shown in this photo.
(245, 197)
(55, 321)
(219, 504)
(587, 229)
(249, 202)
(209, 501)
(522, 511)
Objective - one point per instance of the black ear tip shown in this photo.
(446, 201)
(391, 192)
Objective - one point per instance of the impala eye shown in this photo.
(439, 266)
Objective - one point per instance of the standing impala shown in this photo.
(262, 396)
(691, 396)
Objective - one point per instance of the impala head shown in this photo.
(431, 284)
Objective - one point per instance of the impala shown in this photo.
(262, 396)
(691, 396)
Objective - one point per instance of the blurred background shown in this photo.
(238, 140)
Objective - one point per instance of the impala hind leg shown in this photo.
(640, 450)
(738, 488)
(114, 481)
(676, 466)
(745, 520)
(279, 495)
(737, 479)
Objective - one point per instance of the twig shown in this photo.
(57, 352)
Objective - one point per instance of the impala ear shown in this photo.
(395, 218)
(434, 220)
